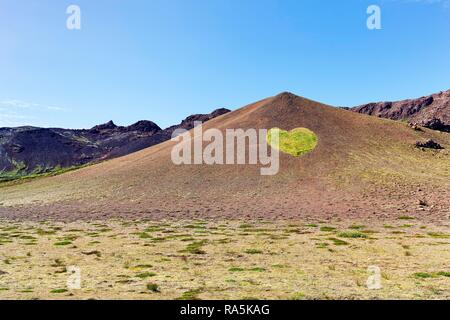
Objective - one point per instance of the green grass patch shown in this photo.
(253, 251)
(405, 218)
(144, 235)
(42, 232)
(352, 234)
(27, 291)
(191, 294)
(298, 296)
(295, 142)
(193, 226)
(63, 243)
(428, 275)
(144, 266)
(230, 281)
(357, 227)
(424, 275)
(311, 225)
(196, 247)
(338, 242)
(20, 173)
(27, 237)
(153, 287)
(438, 235)
(279, 266)
(327, 229)
(145, 275)
(58, 291)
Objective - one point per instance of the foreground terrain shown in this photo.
(199, 259)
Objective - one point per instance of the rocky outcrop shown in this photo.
(431, 111)
(188, 123)
(110, 125)
(429, 144)
(144, 126)
(31, 150)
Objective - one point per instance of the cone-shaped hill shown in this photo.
(361, 166)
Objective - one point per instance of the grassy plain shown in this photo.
(200, 259)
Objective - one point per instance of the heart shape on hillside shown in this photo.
(295, 142)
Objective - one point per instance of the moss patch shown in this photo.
(352, 235)
(295, 142)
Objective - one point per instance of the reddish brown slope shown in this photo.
(361, 166)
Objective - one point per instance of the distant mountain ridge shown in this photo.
(31, 150)
(431, 111)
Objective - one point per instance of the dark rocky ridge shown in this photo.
(429, 144)
(32, 150)
(188, 123)
(431, 111)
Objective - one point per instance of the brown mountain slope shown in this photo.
(362, 166)
(431, 111)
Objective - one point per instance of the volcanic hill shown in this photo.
(362, 166)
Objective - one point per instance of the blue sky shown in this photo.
(165, 59)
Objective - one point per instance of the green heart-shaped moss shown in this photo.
(295, 142)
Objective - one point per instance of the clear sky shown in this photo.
(165, 59)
